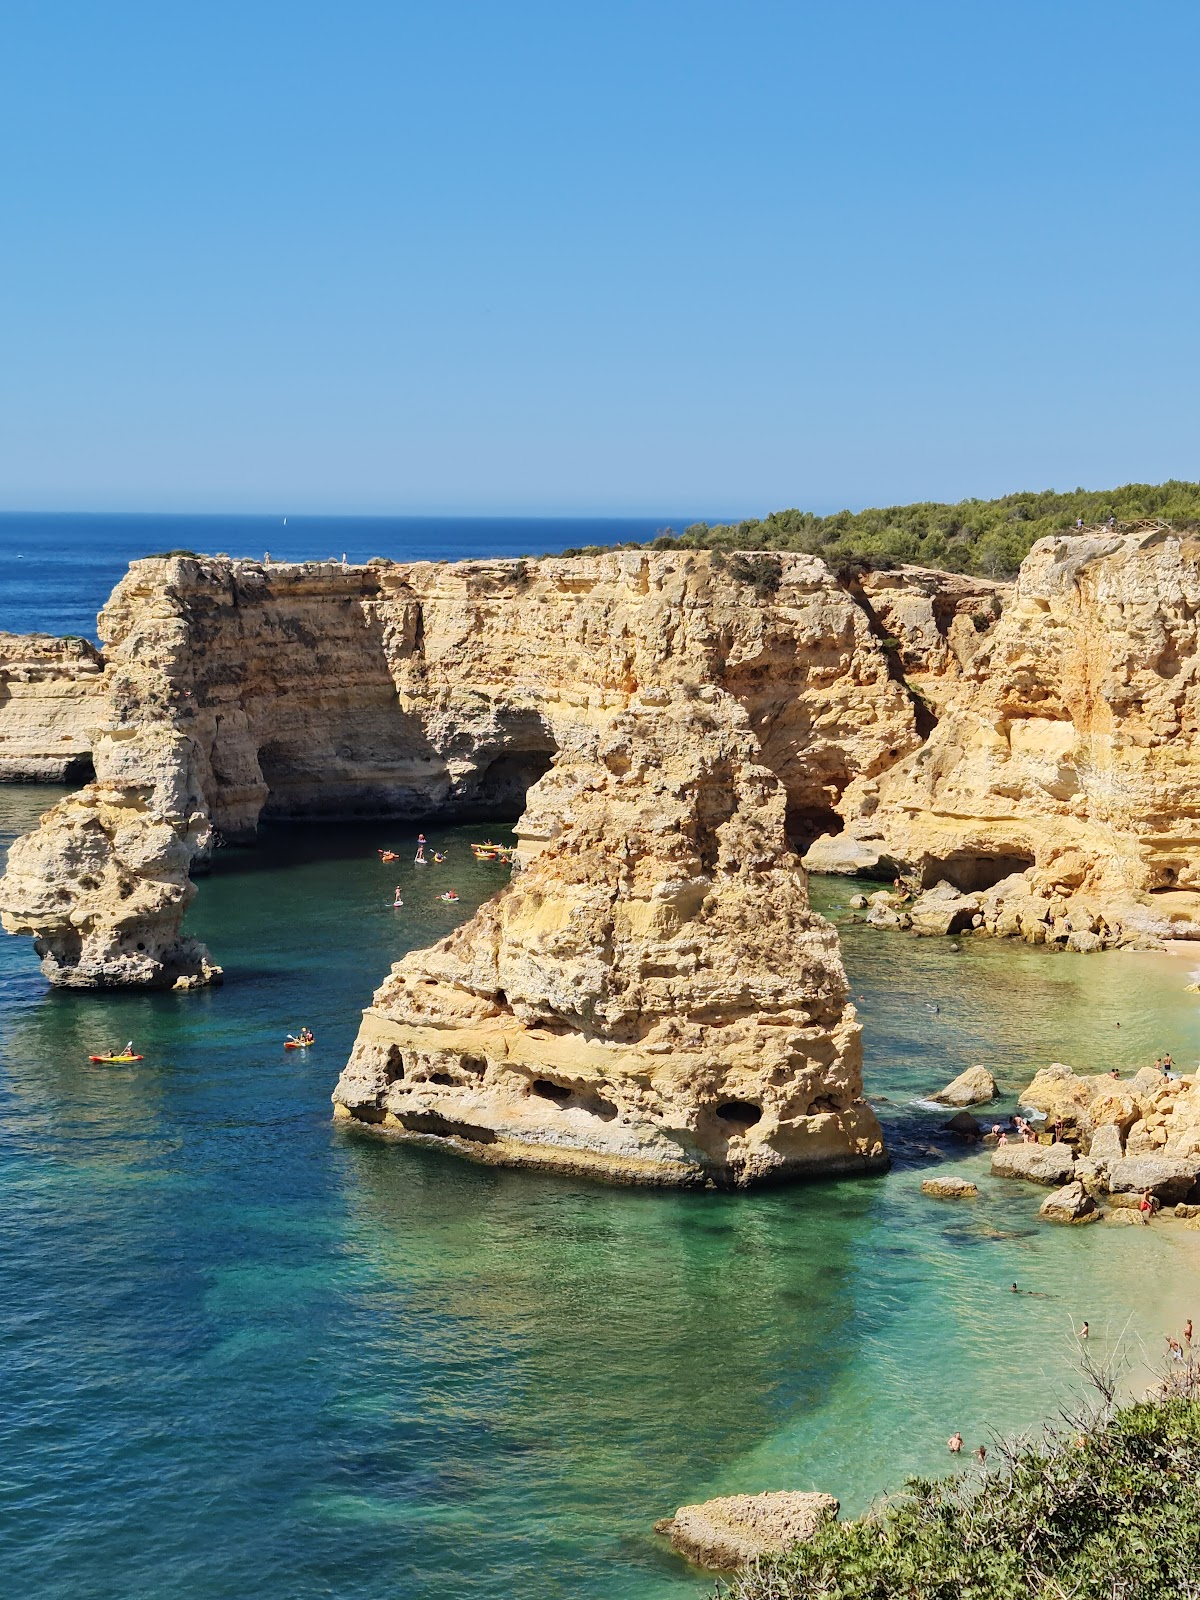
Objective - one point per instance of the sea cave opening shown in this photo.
(975, 871)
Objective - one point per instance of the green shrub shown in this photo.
(988, 537)
(1107, 1510)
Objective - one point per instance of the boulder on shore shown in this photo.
(1072, 1203)
(1166, 1179)
(942, 910)
(1130, 1217)
(949, 1188)
(973, 1087)
(842, 853)
(730, 1531)
(1106, 1143)
(1051, 1164)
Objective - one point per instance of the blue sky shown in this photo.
(538, 257)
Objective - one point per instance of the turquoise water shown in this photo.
(247, 1352)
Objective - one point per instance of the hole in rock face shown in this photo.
(551, 1091)
(974, 871)
(739, 1113)
(804, 825)
(499, 790)
(444, 1127)
(475, 1064)
(441, 1077)
(393, 1067)
(500, 997)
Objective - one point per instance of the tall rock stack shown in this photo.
(651, 1000)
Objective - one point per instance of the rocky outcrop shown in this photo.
(728, 1532)
(1051, 1164)
(103, 884)
(1058, 785)
(1071, 1204)
(651, 999)
(415, 690)
(950, 1188)
(1146, 1115)
(51, 696)
(973, 1087)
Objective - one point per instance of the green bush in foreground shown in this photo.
(1110, 1509)
(988, 537)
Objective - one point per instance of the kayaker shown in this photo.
(128, 1050)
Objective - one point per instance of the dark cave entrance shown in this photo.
(805, 824)
(974, 871)
(497, 792)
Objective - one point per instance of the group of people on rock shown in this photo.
(1023, 1129)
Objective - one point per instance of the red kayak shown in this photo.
(298, 1044)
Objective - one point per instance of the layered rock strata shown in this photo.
(651, 999)
(1059, 786)
(411, 691)
(51, 697)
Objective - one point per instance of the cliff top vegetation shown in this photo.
(1107, 1508)
(989, 538)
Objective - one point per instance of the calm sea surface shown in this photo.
(57, 570)
(245, 1352)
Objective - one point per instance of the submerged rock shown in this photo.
(949, 1188)
(973, 1087)
(728, 1532)
(964, 1125)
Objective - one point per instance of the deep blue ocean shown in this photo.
(57, 569)
(245, 1352)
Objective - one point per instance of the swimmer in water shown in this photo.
(954, 1444)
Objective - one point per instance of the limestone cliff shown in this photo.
(412, 690)
(651, 999)
(51, 696)
(1059, 787)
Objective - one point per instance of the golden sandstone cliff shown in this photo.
(651, 998)
(688, 988)
(50, 696)
(1058, 791)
